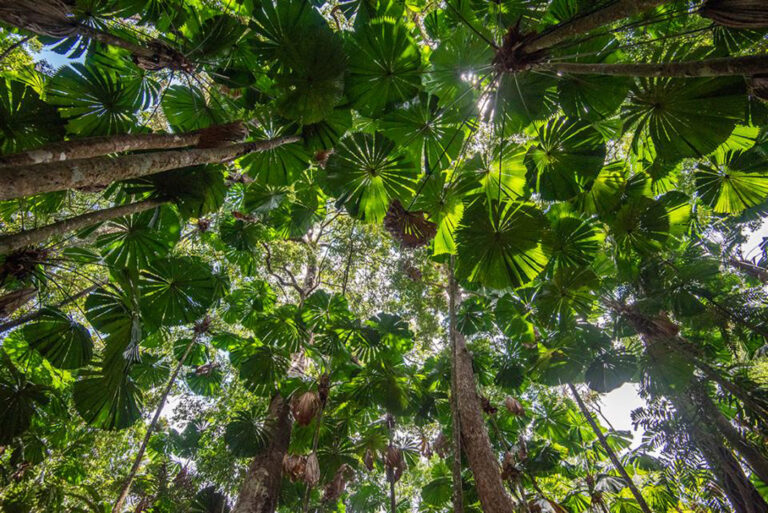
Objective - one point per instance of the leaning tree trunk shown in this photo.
(19, 181)
(37, 313)
(12, 242)
(458, 493)
(261, 487)
(14, 300)
(89, 147)
(611, 454)
(717, 67)
(55, 18)
(584, 23)
(738, 14)
(143, 447)
(475, 441)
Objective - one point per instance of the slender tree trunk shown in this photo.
(611, 454)
(89, 147)
(261, 488)
(12, 242)
(392, 496)
(37, 313)
(11, 48)
(143, 447)
(717, 67)
(475, 441)
(458, 493)
(614, 11)
(21, 181)
(14, 300)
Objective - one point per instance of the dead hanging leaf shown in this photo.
(522, 450)
(413, 273)
(441, 445)
(335, 488)
(395, 463)
(322, 156)
(206, 369)
(203, 225)
(369, 459)
(12, 301)
(758, 86)
(323, 388)
(22, 263)
(294, 466)
(305, 408)
(514, 406)
(738, 14)
(509, 468)
(410, 229)
(217, 136)
(312, 472)
(426, 449)
(488, 408)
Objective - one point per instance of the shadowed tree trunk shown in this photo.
(474, 436)
(597, 18)
(738, 14)
(750, 269)
(611, 454)
(18, 181)
(37, 313)
(14, 300)
(261, 487)
(54, 18)
(12, 242)
(143, 447)
(457, 494)
(89, 147)
(717, 67)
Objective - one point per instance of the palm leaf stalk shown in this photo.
(611, 454)
(18, 181)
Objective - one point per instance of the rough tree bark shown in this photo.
(582, 24)
(717, 67)
(143, 447)
(738, 14)
(18, 181)
(611, 454)
(261, 487)
(475, 441)
(14, 241)
(54, 18)
(458, 493)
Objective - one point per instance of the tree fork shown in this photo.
(19, 181)
(582, 24)
(14, 241)
(718, 67)
(612, 455)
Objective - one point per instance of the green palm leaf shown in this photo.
(733, 180)
(25, 120)
(65, 343)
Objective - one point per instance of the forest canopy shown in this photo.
(354, 256)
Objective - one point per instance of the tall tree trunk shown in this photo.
(14, 300)
(584, 23)
(37, 313)
(143, 447)
(718, 67)
(741, 493)
(19, 181)
(458, 493)
(54, 18)
(89, 147)
(475, 441)
(261, 487)
(8, 51)
(611, 454)
(14, 241)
